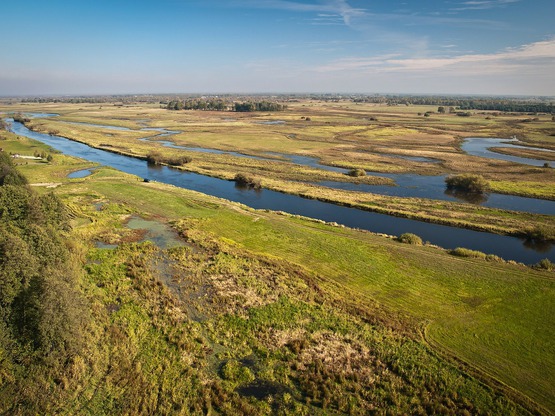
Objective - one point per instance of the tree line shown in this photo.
(221, 105)
(42, 310)
(512, 105)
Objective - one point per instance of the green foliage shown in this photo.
(545, 264)
(465, 252)
(409, 238)
(467, 182)
(43, 315)
(357, 172)
(17, 268)
(8, 174)
(250, 106)
(235, 372)
(198, 104)
(156, 158)
(247, 181)
(467, 103)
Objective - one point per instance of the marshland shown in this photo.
(192, 301)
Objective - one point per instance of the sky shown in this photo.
(491, 47)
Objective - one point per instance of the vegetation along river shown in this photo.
(510, 248)
(408, 185)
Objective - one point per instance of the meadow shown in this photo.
(259, 312)
(371, 137)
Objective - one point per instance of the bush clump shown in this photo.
(178, 160)
(409, 238)
(157, 158)
(467, 182)
(154, 158)
(247, 181)
(236, 372)
(545, 264)
(465, 252)
(357, 172)
(540, 233)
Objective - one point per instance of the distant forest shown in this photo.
(267, 102)
(467, 103)
(221, 105)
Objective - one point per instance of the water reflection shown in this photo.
(470, 197)
(245, 187)
(538, 245)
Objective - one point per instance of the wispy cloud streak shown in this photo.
(538, 56)
(328, 8)
(483, 4)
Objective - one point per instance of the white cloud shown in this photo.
(483, 4)
(326, 8)
(538, 57)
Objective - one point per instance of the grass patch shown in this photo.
(409, 238)
(465, 252)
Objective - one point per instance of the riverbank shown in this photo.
(467, 216)
(502, 246)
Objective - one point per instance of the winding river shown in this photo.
(444, 236)
(408, 185)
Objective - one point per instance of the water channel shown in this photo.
(408, 185)
(445, 236)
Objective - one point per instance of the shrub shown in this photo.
(247, 181)
(465, 252)
(235, 372)
(493, 257)
(154, 157)
(157, 158)
(178, 160)
(467, 182)
(357, 172)
(539, 233)
(409, 238)
(20, 118)
(545, 264)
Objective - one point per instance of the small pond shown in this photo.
(156, 232)
(80, 174)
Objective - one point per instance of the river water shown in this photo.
(407, 185)
(480, 147)
(444, 236)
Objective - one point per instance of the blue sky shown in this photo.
(250, 46)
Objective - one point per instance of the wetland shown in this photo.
(200, 304)
(404, 185)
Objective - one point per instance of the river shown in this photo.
(407, 185)
(510, 248)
